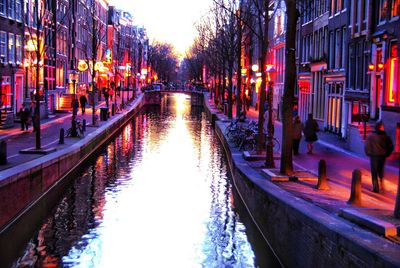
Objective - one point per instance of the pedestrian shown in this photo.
(248, 102)
(310, 133)
(297, 129)
(266, 118)
(378, 147)
(106, 95)
(24, 117)
(83, 101)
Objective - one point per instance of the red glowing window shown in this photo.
(393, 76)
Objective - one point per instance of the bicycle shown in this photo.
(80, 133)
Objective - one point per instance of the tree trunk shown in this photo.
(239, 63)
(263, 63)
(36, 121)
(230, 88)
(289, 85)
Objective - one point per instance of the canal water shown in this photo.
(158, 195)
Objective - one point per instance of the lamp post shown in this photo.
(74, 77)
(269, 161)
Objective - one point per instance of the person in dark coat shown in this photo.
(83, 101)
(24, 115)
(297, 128)
(310, 133)
(378, 147)
(106, 95)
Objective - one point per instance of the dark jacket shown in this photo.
(83, 100)
(310, 130)
(24, 114)
(378, 144)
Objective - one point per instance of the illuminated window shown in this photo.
(18, 47)
(395, 8)
(393, 77)
(3, 47)
(11, 47)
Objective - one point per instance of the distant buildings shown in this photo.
(65, 48)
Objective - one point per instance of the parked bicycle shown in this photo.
(79, 130)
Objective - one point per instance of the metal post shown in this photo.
(269, 162)
(74, 132)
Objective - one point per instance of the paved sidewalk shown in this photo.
(340, 165)
(50, 133)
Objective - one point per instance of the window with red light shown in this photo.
(395, 8)
(393, 76)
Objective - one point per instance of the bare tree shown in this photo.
(92, 50)
(41, 31)
(163, 60)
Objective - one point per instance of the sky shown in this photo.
(170, 21)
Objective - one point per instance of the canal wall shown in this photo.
(300, 233)
(30, 190)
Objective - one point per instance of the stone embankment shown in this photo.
(300, 233)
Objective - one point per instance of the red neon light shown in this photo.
(392, 80)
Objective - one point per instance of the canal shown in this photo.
(158, 195)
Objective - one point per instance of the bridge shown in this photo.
(153, 97)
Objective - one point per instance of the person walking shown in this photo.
(24, 117)
(83, 100)
(310, 133)
(378, 147)
(106, 95)
(297, 129)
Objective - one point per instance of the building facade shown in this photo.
(11, 62)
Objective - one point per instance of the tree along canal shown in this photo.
(158, 195)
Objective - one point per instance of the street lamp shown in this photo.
(269, 162)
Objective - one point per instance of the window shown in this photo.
(393, 79)
(11, 48)
(356, 16)
(18, 15)
(11, 9)
(343, 46)
(3, 47)
(382, 10)
(337, 48)
(3, 7)
(331, 51)
(395, 8)
(18, 47)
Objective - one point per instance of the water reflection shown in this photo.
(157, 196)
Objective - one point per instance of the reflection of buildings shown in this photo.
(11, 68)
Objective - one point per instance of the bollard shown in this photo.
(61, 141)
(322, 179)
(355, 196)
(84, 125)
(3, 153)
